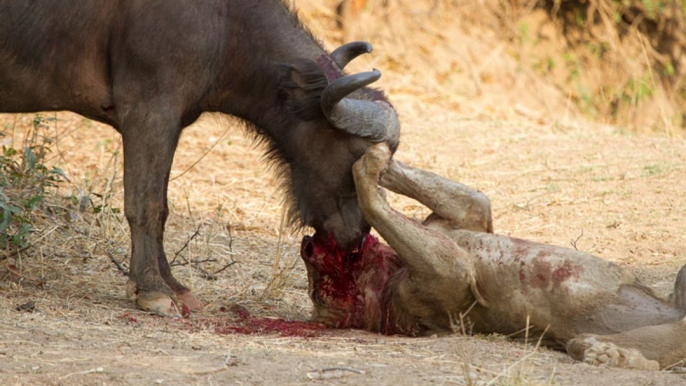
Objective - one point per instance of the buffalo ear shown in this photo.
(303, 82)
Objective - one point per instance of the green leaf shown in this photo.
(33, 201)
(59, 172)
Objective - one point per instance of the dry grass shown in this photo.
(546, 184)
(428, 58)
(463, 54)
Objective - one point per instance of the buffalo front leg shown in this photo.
(148, 153)
(461, 206)
(440, 271)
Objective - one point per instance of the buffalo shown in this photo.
(149, 68)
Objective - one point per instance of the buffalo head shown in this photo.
(338, 118)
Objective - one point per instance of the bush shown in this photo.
(641, 45)
(23, 182)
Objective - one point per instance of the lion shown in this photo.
(451, 272)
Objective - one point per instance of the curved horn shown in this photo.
(341, 87)
(347, 52)
(373, 120)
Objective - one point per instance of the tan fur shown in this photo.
(457, 269)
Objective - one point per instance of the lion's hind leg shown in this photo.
(645, 348)
(460, 205)
(588, 349)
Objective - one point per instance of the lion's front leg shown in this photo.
(438, 267)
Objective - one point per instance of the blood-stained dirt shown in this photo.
(551, 178)
(623, 192)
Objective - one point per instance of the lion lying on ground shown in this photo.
(452, 273)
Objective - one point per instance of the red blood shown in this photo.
(247, 324)
(336, 269)
(252, 325)
(270, 326)
(128, 317)
(237, 309)
(348, 287)
(185, 311)
(566, 271)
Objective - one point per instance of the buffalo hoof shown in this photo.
(156, 302)
(159, 304)
(599, 353)
(189, 300)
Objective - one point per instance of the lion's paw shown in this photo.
(374, 161)
(600, 353)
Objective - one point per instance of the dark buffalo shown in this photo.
(149, 68)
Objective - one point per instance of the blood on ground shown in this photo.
(248, 325)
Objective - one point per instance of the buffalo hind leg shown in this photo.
(149, 144)
(461, 206)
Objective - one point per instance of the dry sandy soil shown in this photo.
(612, 193)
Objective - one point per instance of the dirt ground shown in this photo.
(551, 178)
(549, 183)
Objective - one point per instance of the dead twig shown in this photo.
(574, 241)
(342, 369)
(228, 228)
(521, 360)
(185, 261)
(203, 273)
(118, 264)
(229, 360)
(194, 235)
(195, 265)
(232, 262)
(332, 372)
(197, 161)
(91, 371)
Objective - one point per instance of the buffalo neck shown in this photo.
(315, 157)
(260, 35)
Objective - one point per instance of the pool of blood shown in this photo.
(246, 324)
(341, 271)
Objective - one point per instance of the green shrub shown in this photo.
(24, 177)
